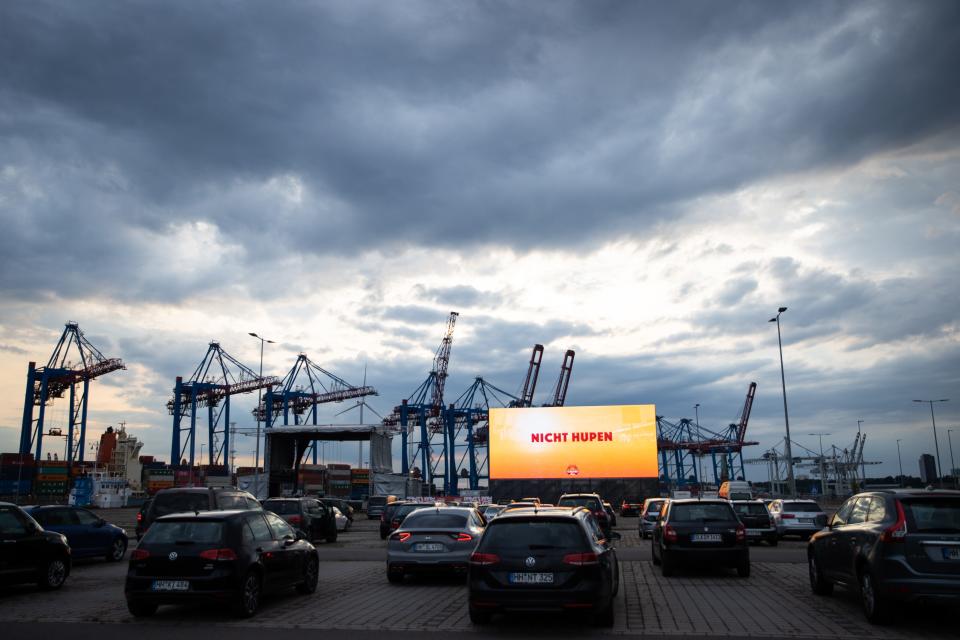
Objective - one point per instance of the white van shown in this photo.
(735, 490)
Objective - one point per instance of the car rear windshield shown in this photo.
(282, 507)
(405, 509)
(701, 513)
(933, 515)
(430, 520)
(590, 503)
(167, 503)
(185, 532)
(526, 535)
(750, 509)
(654, 507)
(740, 495)
(802, 507)
(376, 501)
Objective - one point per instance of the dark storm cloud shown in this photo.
(337, 127)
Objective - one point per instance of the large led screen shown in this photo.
(573, 442)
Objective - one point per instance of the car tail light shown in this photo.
(139, 517)
(600, 515)
(484, 559)
(581, 559)
(741, 533)
(218, 554)
(669, 534)
(295, 520)
(463, 537)
(139, 554)
(897, 532)
(403, 536)
(787, 516)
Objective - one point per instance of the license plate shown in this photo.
(706, 537)
(531, 578)
(806, 520)
(754, 532)
(429, 546)
(951, 553)
(171, 585)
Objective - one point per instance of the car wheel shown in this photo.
(54, 574)
(311, 575)
(141, 609)
(479, 617)
(874, 606)
(666, 564)
(605, 618)
(248, 600)
(818, 583)
(743, 567)
(117, 550)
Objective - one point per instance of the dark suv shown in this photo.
(705, 532)
(545, 559)
(233, 557)
(898, 545)
(190, 499)
(309, 515)
(394, 514)
(591, 501)
(755, 517)
(30, 554)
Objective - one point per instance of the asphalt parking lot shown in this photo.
(354, 596)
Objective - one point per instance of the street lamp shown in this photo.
(953, 467)
(900, 460)
(823, 477)
(791, 481)
(863, 461)
(256, 464)
(936, 443)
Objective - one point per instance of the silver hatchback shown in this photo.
(438, 540)
(797, 517)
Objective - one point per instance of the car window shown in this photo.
(180, 502)
(253, 503)
(859, 513)
(933, 515)
(12, 523)
(247, 533)
(750, 509)
(654, 507)
(590, 503)
(282, 507)
(316, 509)
(843, 513)
(259, 527)
(280, 528)
(58, 518)
(184, 532)
(878, 509)
(231, 502)
(430, 519)
(86, 518)
(594, 528)
(526, 535)
(801, 507)
(701, 512)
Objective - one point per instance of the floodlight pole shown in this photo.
(791, 480)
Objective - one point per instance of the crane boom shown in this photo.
(563, 382)
(745, 412)
(533, 372)
(440, 363)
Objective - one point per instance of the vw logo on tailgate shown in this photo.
(172, 556)
(530, 561)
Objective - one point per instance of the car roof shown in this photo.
(445, 509)
(527, 512)
(698, 501)
(754, 501)
(581, 495)
(915, 493)
(207, 515)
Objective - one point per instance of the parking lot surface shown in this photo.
(354, 595)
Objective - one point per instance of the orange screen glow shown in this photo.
(573, 442)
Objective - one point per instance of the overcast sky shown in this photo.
(643, 182)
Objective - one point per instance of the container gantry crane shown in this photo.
(530, 381)
(218, 377)
(563, 382)
(74, 361)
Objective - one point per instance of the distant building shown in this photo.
(928, 469)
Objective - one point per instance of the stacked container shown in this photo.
(52, 479)
(338, 480)
(156, 479)
(313, 478)
(16, 474)
(359, 483)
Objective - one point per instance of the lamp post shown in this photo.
(863, 461)
(953, 468)
(791, 481)
(936, 443)
(900, 460)
(256, 463)
(823, 477)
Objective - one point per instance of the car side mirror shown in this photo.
(289, 540)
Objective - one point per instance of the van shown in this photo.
(376, 504)
(735, 490)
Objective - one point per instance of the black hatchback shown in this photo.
(227, 557)
(30, 554)
(705, 532)
(892, 546)
(311, 516)
(550, 559)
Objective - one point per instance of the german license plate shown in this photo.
(428, 546)
(754, 532)
(806, 520)
(706, 537)
(531, 578)
(171, 585)
(951, 553)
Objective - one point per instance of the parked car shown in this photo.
(735, 490)
(544, 559)
(705, 532)
(755, 517)
(649, 514)
(631, 507)
(591, 501)
(141, 514)
(611, 514)
(230, 557)
(387, 516)
(342, 522)
(315, 519)
(192, 499)
(88, 534)
(344, 506)
(376, 505)
(492, 511)
(440, 539)
(394, 517)
(892, 546)
(30, 554)
(797, 517)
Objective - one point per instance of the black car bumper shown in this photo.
(945, 591)
(729, 557)
(219, 589)
(586, 596)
